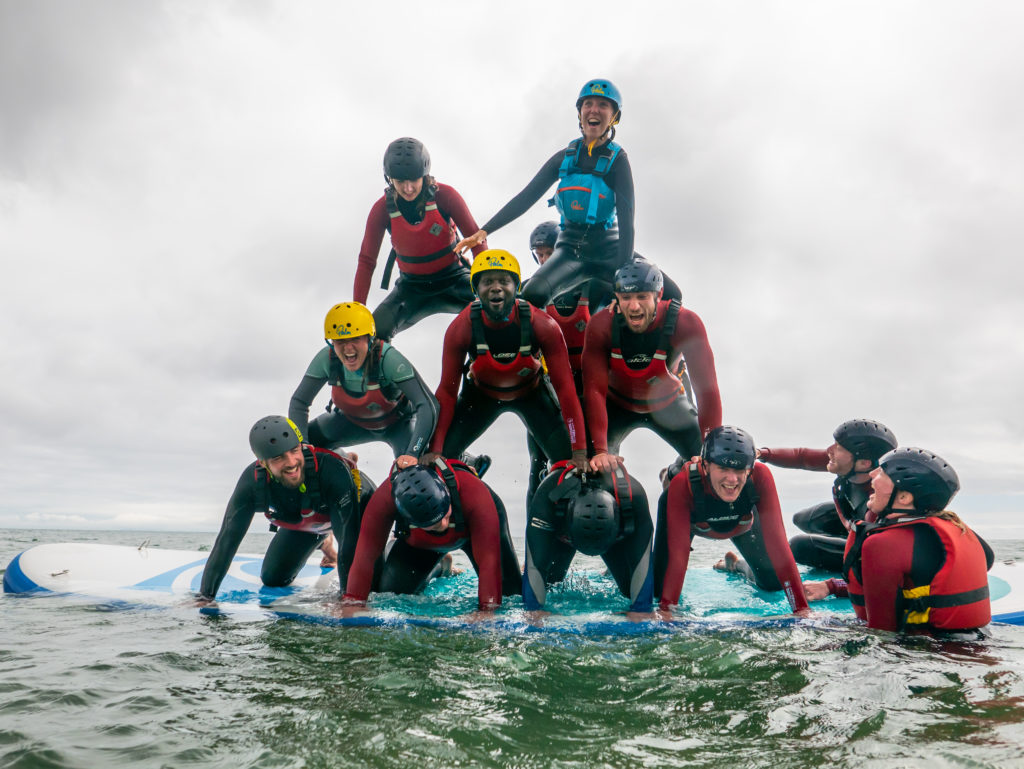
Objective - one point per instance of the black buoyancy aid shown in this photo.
(714, 518)
(504, 381)
(851, 500)
(649, 388)
(314, 513)
(957, 598)
(377, 408)
(423, 248)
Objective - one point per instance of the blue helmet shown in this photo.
(420, 496)
(729, 446)
(605, 89)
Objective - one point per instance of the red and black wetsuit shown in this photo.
(505, 375)
(479, 527)
(915, 572)
(300, 517)
(633, 384)
(753, 523)
(423, 232)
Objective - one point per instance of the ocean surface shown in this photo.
(83, 685)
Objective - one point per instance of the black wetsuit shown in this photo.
(549, 552)
(290, 549)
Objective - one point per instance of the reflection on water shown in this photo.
(85, 687)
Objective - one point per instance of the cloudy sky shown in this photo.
(838, 188)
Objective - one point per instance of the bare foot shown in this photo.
(448, 568)
(728, 563)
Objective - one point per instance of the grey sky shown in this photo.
(837, 187)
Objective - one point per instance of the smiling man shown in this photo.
(304, 492)
(725, 495)
(503, 339)
(631, 354)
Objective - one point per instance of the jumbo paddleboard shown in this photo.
(586, 603)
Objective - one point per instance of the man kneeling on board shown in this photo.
(603, 514)
(305, 492)
(725, 495)
(917, 566)
(435, 508)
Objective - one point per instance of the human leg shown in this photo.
(286, 555)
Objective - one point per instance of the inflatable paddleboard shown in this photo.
(588, 602)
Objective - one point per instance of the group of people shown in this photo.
(593, 346)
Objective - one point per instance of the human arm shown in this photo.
(452, 203)
(596, 351)
(886, 560)
(453, 356)
(530, 194)
(233, 528)
(691, 338)
(795, 459)
(776, 544)
(309, 387)
(678, 509)
(485, 538)
(620, 179)
(373, 236)
(556, 357)
(373, 536)
(423, 404)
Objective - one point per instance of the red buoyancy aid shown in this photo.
(314, 514)
(424, 248)
(574, 328)
(957, 598)
(652, 387)
(504, 381)
(373, 410)
(713, 518)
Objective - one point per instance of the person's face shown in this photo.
(543, 253)
(881, 490)
(288, 468)
(408, 189)
(442, 525)
(596, 115)
(840, 461)
(352, 352)
(726, 482)
(497, 292)
(638, 309)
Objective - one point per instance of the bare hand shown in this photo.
(406, 460)
(580, 461)
(804, 613)
(605, 462)
(816, 591)
(429, 458)
(472, 241)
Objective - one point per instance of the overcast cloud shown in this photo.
(837, 187)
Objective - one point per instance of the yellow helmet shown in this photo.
(494, 259)
(348, 320)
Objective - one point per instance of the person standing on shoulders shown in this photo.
(376, 394)
(435, 509)
(631, 354)
(917, 567)
(422, 216)
(594, 196)
(725, 494)
(305, 493)
(857, 446)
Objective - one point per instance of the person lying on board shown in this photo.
(594, 514)
(912, 565)
(304, 492)
(435, 509)
(725, 494)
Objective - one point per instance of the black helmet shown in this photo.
(273, 436)
(593, 520)
(406, 158)
(420, 496)
(925, 475)
(865, 439)
(544, 234)
(636, 276)
(729, 446)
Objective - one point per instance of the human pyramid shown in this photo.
(593, 346)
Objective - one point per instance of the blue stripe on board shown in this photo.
(16, 581)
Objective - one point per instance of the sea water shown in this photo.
(87, 686)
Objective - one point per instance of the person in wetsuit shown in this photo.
(422, 217)
(435, 509)
(594, 196)
(725, 494)
(631, 358)
(305, 492)
(376, 394)
(503, 339)
(916, 566)
(857, 446)
(597, 514)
